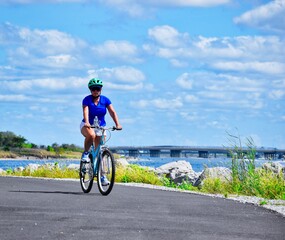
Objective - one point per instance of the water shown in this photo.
(197, 164)
(11, 164)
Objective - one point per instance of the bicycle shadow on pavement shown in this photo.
(57, 192)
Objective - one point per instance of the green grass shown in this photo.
(137, 174)
(47, 172)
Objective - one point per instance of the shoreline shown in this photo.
(38, 159)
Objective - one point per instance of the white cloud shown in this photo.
(188, 3)
(159, 103)
(123, 74)
(34, 48)
(262, 67)
(191, 98)
(46, 42)
(260, 54)
(185, 81)
(277, 94)
(119, 50)
(42, 1)
(47, 85)
(13, 98)
(224, 91)
(269, 17)
(122, 4)
(167, 36)
(122, 78)
(192, 117)
(138, 8)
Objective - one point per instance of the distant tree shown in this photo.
(55, 146)
(50, 149)
(34, 145)
(9, 139)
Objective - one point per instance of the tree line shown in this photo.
(10, 140)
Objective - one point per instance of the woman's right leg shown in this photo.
(89, 135)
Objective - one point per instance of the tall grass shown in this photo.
(47, 171)
(246, 178)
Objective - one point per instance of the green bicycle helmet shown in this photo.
(95, 82)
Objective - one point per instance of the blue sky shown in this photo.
(178, 72)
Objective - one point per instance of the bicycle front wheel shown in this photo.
(106, 172)
(86, 174)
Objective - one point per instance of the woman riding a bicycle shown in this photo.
(95, 106)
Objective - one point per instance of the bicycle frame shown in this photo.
(96, 153)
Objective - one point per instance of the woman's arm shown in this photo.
(114, 116)
(86, 115)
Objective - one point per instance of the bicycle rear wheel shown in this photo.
(106, 172)
(86, 175)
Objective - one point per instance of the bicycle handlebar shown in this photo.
(108, 128)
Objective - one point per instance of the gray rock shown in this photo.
(122, 162)
(73, 166)
(48, 166)
(221, 173)
(19, 169)
(275, 167)
(32, 167)
(178, 172)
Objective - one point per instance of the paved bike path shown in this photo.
(51, 209)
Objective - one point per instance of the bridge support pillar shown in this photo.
(175, 153)
(270, 155)
(133, 153)
(203, 154)
(154, 153)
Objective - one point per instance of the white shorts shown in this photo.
(98, 132)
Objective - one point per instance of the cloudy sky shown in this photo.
(178, 72)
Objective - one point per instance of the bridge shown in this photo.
(188, 151)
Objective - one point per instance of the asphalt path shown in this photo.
(52, 209)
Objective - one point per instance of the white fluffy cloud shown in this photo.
(118, 50)
(160, 103)
(44, 48)
(47, 42)
(262, 67)
(167, 36)
(261, 54)
(138, 8)
(185, 81)
(269, 17)
(122, 78)
(42, 1)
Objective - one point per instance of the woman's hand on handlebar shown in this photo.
(87, 125)
(118, 127)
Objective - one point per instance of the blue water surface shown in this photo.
(198, 164)
(11, 164)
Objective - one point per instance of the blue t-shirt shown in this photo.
(97, 110)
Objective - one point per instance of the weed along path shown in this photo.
(55, 209)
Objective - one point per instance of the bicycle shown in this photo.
(101, 165)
